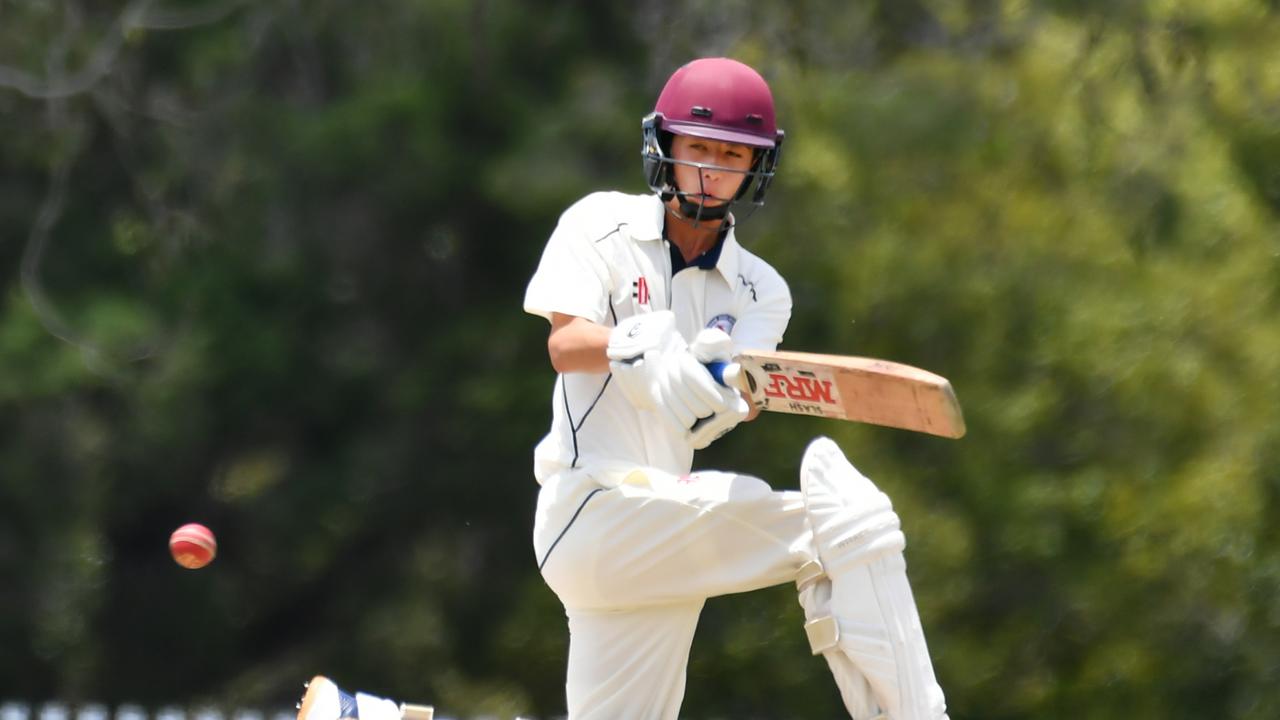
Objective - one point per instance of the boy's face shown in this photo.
(718, 184)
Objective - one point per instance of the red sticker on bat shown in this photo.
(804, 392)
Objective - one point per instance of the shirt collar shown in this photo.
(648, 226)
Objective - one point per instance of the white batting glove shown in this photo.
(714, 345)
(711, 345)
(633, 349)
(654, 369)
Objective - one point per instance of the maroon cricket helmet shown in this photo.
(718, 99)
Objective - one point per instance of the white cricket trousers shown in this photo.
(633, 555)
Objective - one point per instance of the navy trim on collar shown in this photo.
(705, 261)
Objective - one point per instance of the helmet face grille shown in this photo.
(718, 99)
(659, 168)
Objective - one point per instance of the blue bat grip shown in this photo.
(716, 368)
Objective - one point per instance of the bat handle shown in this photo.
(728, 374)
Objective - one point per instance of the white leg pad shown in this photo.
(877, 627)
(824, 635)
(372, 707)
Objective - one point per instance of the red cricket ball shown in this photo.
(193, 546)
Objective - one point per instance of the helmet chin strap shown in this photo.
(697, 211)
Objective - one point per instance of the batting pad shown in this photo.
(873, 618)
(371, 707)
(815, 597)
(879, 630)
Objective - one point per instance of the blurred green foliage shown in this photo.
(263, 270)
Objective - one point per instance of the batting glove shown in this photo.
(714, 345)
(654, 369)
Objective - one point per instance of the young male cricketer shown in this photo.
(640, 292)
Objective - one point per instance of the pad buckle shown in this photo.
(416, 712)
(823, 634)
(808, 574)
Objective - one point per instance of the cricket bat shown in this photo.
(858, 389)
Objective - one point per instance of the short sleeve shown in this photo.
(767, 313)
(572, 277)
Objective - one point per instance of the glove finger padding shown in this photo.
(715, 345)
(633, 379)
(685, 378)
(682, 409)
(712, 345)
(708, 430)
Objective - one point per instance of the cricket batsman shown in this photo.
(641, 291)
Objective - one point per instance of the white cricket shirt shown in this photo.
(606, 261)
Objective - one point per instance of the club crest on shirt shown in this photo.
(723, 322)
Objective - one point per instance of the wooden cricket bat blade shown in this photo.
(859, 389)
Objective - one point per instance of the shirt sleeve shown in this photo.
(572, 277)
(766, 315)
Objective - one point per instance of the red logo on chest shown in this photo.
(640, 291)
